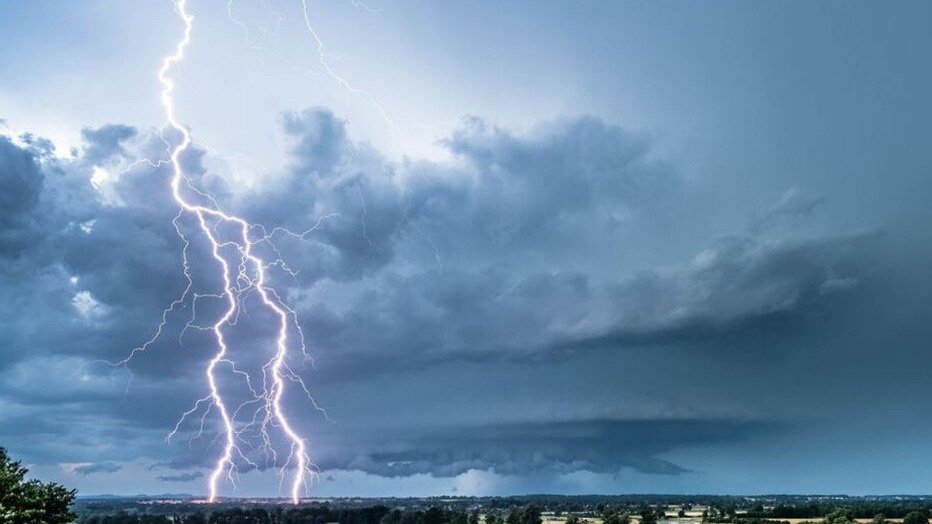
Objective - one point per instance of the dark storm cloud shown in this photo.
(182, 477)
(739, 279)
(516, 250)
(102, 467)
(505, 196)
(491, 314)
(553, 447)
(103, 142)
(497, 255)
(20, 184)
(320, 140)
(90, 269)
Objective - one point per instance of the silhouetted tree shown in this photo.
(31, 502)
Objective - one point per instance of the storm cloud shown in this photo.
(518, 253)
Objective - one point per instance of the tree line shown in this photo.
(323, 515)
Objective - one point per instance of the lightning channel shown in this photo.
(248, 274)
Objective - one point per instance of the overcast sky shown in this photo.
(573, 247)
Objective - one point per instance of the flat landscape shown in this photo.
(530, 509)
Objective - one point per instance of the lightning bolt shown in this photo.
(321, 52)
(331, 72)
(241, 273)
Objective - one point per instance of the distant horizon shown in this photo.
(526, 495)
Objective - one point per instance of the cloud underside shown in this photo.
(600, 446)
(92, 468)
(181, 477)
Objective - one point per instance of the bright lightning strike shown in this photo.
(242, 272)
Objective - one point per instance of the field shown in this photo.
(690, 517)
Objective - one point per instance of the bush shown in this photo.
(916, 517)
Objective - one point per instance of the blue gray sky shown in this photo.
(601, 247)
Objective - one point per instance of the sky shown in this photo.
(562, 247)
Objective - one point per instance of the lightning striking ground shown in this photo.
(241, 273)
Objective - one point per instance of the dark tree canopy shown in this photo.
(648, 516)
(32, 501)
(839, 516)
